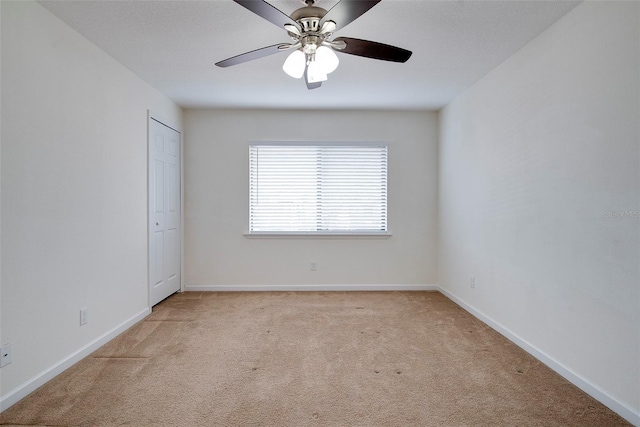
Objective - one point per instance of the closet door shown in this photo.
(164, 211)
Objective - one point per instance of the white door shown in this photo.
(164, 211)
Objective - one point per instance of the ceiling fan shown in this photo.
(311, 28)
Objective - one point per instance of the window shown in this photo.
(332, 188)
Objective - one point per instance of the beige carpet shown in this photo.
(309, 359)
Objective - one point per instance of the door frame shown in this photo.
(152, 115)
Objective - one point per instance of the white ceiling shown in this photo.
(173, 45)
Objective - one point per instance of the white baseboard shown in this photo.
(585, 385)
(317, 288)
(32, 384)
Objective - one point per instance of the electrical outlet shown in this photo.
(5, 355)
(473, 282)
(84, 313)
(314, 266)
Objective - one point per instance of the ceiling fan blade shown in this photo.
(254, 54)
(267, 11)
(374, 50)
(347, 11)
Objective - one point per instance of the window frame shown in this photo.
(331, 234)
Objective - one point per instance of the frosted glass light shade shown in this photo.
(315, 73)
(294, 64)
(327, 59)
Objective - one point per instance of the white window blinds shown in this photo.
(322, 189)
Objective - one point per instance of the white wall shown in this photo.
(216, 201)
(533, 159)
(74, 191)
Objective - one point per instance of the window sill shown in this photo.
(276, 235)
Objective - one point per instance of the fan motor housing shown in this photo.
(309, 18)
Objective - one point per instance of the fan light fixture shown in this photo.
(318, 62)
(295, 64)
